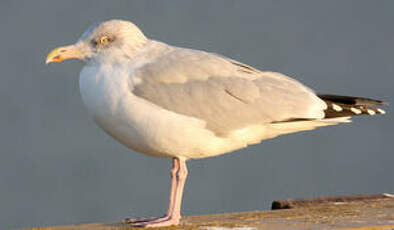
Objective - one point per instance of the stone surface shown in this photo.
(361, 214)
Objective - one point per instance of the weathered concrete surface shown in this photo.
(350, 215)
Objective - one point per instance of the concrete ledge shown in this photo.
(361, 212)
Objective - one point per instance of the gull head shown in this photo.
(109, 41)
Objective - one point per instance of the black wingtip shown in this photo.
(348, 100)
(341, 106)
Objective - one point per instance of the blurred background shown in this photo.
(57, 167)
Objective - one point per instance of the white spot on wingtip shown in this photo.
(336, 107)
(371, 112)
(381, 111)
(356, 111)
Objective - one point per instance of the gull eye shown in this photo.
(103, 40)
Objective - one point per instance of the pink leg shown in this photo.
(181, 175)
(172, 200)
(174, 182)
(173, 215)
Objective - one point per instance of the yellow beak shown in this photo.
(63, 53)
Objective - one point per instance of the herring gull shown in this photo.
(167, 101)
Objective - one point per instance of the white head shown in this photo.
(109, 41)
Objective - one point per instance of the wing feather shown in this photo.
(213, 89)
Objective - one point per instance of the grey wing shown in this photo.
(226, 94)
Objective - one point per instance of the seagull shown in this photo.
(179, 103)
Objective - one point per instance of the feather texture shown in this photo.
(226, 94)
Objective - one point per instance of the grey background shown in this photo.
(58, 167)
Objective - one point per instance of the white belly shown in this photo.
(143, 126)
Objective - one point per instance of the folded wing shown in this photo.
(226, 94)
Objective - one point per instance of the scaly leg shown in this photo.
(174, 210)
(172, 200)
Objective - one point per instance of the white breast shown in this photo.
(141, 125)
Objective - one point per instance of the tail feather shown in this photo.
(345, 106)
